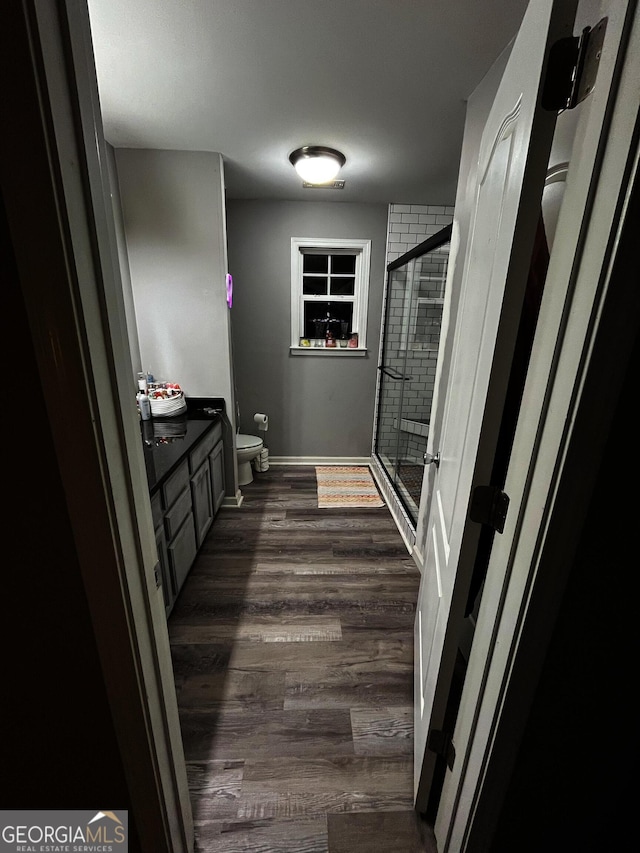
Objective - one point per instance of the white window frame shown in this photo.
(362, 250)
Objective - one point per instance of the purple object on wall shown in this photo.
(229, 290)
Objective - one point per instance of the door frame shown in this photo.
(54, 163)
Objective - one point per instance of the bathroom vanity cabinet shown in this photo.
(186, 483)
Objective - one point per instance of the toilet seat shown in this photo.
(247, 442)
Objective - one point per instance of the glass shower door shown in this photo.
(393, 378)
(411, 339)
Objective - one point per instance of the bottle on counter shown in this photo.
(144, 405)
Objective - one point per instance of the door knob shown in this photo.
(429, 458)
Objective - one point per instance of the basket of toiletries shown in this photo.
(166, 399)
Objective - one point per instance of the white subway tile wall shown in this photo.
(411, 224)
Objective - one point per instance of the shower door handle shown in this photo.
(429, 458)
(393, 374)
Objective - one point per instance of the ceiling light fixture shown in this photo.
(317, 164)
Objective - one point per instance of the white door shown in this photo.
(527, 569)
(512, 163)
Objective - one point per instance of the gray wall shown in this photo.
(123, 260)
(173, 209)
(174, 223)
(317, 405)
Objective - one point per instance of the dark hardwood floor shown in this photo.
(292, 645)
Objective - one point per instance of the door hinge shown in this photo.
(441, 743)
(573, 68)
(157, 575)
(489, 505)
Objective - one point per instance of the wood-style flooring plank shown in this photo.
(391, 832)
(351, 686)
(301, 835)
(387, 653)
(376, 551)
(378, 590)
(332, 567)
(332, 774)
(264, 629)
(380, 514)
(215, 788)
(193, 607)
(291, 500)
(289, 534)
(289, 787)
(356, 622)
(233, 690)
(210, 735)
(279, 804)
(378, 731)
(286, 521)
(349, 585)
(189, 659)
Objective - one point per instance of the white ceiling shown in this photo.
(384, 81)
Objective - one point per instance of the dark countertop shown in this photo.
(166, 441)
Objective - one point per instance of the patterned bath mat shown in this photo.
(346, 485)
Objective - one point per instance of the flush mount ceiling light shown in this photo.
(317, 164)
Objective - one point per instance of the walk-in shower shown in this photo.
(410, 341)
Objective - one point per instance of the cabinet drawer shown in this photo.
(176, 483)
(156, 510)
(182, 552)
(200, 453)
(178, 512)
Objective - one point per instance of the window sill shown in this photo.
(328, 351)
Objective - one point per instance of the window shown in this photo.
(329, 295)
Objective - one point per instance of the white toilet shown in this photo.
(247, 448)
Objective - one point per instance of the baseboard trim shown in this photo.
(233, 501)
(403, 523)
(319, 460)
(418, 558)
